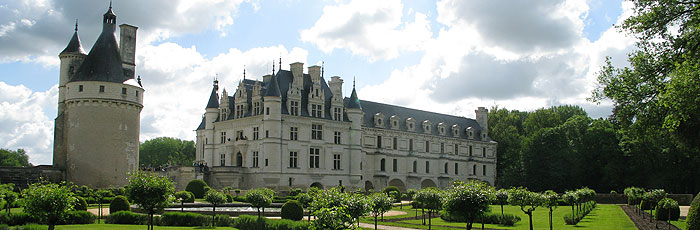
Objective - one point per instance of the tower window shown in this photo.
(137, 93)
(80, 88)
(222, 160)
(267, 110)
(427, 166)
(379, 142)
(124, 91)
(395, 144)
(382, 165)
(102, 89)
(483, 170)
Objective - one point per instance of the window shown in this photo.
(445, 168)
(415, 166)
(483, 170)
(293, 156)
(267, 110)
(124, 91)
(474, 170)
(256, 108)
(395, 166)
(223, 137)
(470, 150)
(316, 110)
(102, 89)
(137, 93)
(267, 133)
(266, 161)
(395, 124)
(256, 133)
(427, 146)
(382, 165)
(442, 147)
(427, 166)
(255, 159)
(456, 169)
(395, 144)
(294, 108)
(290, 182)
(336, 161)
(456, 149)
(314, 158)
(410, 145)
(239, 135)
(336, 138)
(316, 132)
(222, 160)
(483, 151)
(379, 142)
(337, 115)
(293, 133)
(239, 111)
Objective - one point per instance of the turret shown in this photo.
(71, 57)
(212, 111)
(482, 117)
(354, 111)
(273, 100)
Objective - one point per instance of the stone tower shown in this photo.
(97, 129)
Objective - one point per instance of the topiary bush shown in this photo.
(693, 218)
(292, 210)
(197, 187)
(17, 218)
(119, 203)
(223, 220)
(248, 222)
(388, 189)
(229, 198)
(78, 217)
(187, 219)
(80, 204)
(127, 217)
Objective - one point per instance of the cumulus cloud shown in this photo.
(369, 28)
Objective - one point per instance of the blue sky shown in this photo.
(446, 56)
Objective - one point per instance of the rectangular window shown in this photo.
(267, 110)
(293, 133)
(239, 135)
(456, 169)
(137, 93)
(267, 133)
(266, 161)
(337, 115)
(80, 88)
(336, 161)
(474, 170)
(396, 143)
(427, 146)
(255, 159)
(294, 107)
(470, 150)
(442, 147)
(336, 138)
(456, 149)
(314, 157)
(483, 170)
(102, 89)
(293, 156)
(379, 142)
(427, 166)
(222, 160)
(483, 152)
(395, 167)
(256, 108)
(223, 137)
(410, 145)
(124, 91)
(316, 110)
(256, 133)
(316, 132)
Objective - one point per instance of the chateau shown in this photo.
(96, 134)
(295, 130)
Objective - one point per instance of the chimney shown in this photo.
(483, 119)
(336, 85)
(297, 69)
(127, 48)
(315, 73)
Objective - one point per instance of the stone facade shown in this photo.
(295, 130)
(96, 138)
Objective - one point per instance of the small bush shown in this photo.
(24, 227)
(247, 222)
(126, 217)
(508, 219)
(197, 187)
(570, 219)
(489, 218)
(80, 205)
(292, 210)
(223, 220)
(391, 188)
(693, 218)
(239, 198)
(78, 217)
(294, 192)
(18, 218)
(187, 219)
(229, 198)
(119, 203)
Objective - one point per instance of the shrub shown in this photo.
(292, 210)
(569, 219)
(239, 198)
(247, 222)
(80, 204)
(119, 203)
(693, 218)
(197, 187)
(489, 218)
(229, 198)
(508, 219)
(294, 192)
(223, 221)
(78, 217)
(24, 227)
(126, 217)
(388, 189)
(187, 219)
(19, 218)
(662, 213)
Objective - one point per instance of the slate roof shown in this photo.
(103, 63)
(74, 46)
(213, 99)
(353, 102)
(272, 88)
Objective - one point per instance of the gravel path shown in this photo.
(643, 222)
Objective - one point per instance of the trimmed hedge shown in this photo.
(187, 219)
(229, 198)
(223, 221)
(489, 218)
(197, 187)
(693, 218)
(247, 222)
(292, 210)
(119, 203)
(80, 205)
(127, 217)
(662, 214)
(78, 217)
(19, 218)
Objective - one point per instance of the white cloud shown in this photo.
(368, 28)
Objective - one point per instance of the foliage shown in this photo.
(151, 192)
(292, 210)
(80, 204)
(246, 222)
(468, 201)
(331, 218)
(48, 202)
(19, 218)
(331, 209)
(78, 217)
(550, 200)
(388, 189)
(11, 158)
(184, 219)
(667, 209)
(8, 195)
(119, 203)
(196, 187)
(258, 198)
(357, 206)
(634, 195)
(500, 197)
(693, 218)
(126, 217)
(215, 198)
(431, 199)
(488, 218)
(528, 201)
(162, 150)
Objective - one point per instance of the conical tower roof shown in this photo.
(74, 46)
(273, 88)
(103, 63)
(354, 102)
(214, 97)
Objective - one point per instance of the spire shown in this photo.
(138, 79)
(280, 61)
(103, 63)
(273, 67)
(354, 102)
(273, 89)
(323, 63)
(214, 97)
(243, 72)
(74, 46)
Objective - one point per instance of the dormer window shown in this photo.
(410, 124)
(441, 128)
(394, 122)
(426, 126)
(379, 120)
(455, 130)
(470, 133)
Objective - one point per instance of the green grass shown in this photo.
(603, 217)
(124, 226)
(680, 224)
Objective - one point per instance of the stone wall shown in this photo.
(22, 177)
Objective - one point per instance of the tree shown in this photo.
(550, 201)
(467, 201)
(162, 150)
(11, 158)
(431, 199)
(305, 200)
(101, 194)
(183, 196)
(258, 198)
(571, 198)
(215, 198)
(379, 204)
(528, 201)
(151, 192)
(7, 193)
(358, 205)
(501, 198)
(48, 202)
(331, 203)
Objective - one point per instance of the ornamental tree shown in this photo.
(528, 201)
(331, 203)
(467, 201)
(258, 199)
(500, 197)
(571, 198)
(215, 198)
(9, 196)
(150, 192)
(48, 202)
(101, 194)
(183, 196)
(549, 201)
(358, 205)
(379, 203)
(431, 198)
(305, 200)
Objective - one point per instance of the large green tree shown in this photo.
(17, 158)
(161, 150)
(48, 202)
(151, 192)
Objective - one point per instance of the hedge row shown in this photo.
(21, 218)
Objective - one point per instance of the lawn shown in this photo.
(124, 226)
(603, 217)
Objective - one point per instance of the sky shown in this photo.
(447, 56)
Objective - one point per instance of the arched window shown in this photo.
(382, 165)
(239, 159)
(445, 167)
(415, 166)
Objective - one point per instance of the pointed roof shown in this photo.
(273, 88)
(214, 97)
(103, 63)
(354, 102)
(74, 46)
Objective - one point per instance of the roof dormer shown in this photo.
(379, 120)
(394, 122)
(426, 126)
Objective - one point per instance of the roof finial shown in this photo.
(243, 72)
(216, 82)
(76, 25)
(273, 66)
(353, 82)
(280, 61)
(138, 79)
(110, 4)
(323, 63)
